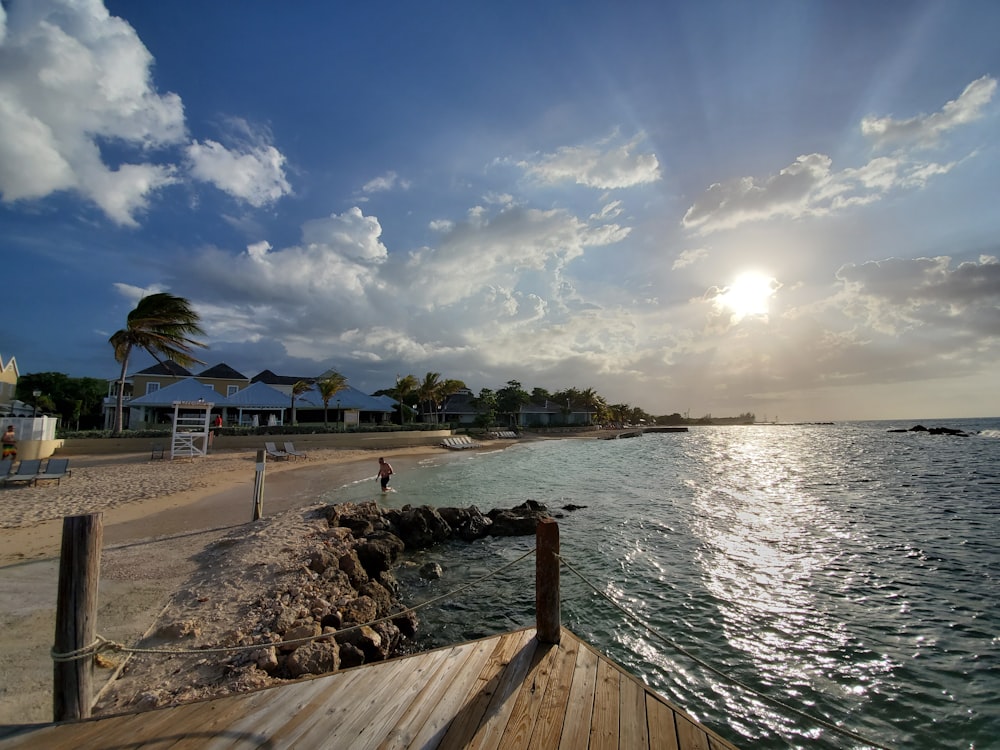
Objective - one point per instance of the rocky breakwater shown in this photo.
(302, 594)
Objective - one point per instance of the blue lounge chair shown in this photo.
(26, 472)
(55, 469)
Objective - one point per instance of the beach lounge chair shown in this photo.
(290, 450)
(5, 467)
(55, 469)
(26, 472)
(273, 452)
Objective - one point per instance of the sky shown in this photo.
(787, 208)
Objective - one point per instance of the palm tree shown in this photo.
(163, 325)
(427, 391)
(329, 387)
(297, 390)
(404, 387)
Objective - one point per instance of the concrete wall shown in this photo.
(362, 440)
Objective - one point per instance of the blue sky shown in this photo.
(788, 208)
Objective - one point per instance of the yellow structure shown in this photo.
(8, 383)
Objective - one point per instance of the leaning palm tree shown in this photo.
(297, 390)
(163, 325)
(329, 387)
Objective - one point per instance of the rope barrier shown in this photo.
(101, 644)
(718, 672)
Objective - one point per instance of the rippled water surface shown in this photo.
(844, 570)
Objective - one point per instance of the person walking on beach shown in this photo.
(9, 441)
(384, 472)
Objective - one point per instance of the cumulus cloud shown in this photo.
(252, 171)
(810, 186)
(74, 78)
(925, 130)
(603, 165)
(896, 294)
(689, 257)
(73, 75)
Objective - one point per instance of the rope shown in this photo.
(101, 644)
(718, 672)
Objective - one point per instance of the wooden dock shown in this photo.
(506, 691)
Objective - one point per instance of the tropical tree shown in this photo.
(163, 325)
(404, 387)
(449, 387)
(510, 399)
(486, 405)
(297, 390)
(329, 387)
(427, 392)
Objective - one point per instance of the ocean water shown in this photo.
(843, 570)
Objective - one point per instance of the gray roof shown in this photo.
(188, 389)
(258, 396)
(349, 398)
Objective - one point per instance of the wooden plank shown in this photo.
(690, 736)
(580, 705)
(427, 721)
(662, 726)
(380, 702)
(633, 730)
(604, 724)
(502, 691)
(521, 724)
(552, 713)
(464, 726)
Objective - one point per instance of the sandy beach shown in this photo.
(158, 517)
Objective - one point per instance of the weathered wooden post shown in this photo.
(258, 486)
(76, 614)
(547, 619)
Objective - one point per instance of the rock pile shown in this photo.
(310, 597)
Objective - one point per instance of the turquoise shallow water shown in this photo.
(842, 569)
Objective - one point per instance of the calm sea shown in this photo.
(847, 571)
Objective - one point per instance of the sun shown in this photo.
(748, 295)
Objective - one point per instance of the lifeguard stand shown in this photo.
(191, 429)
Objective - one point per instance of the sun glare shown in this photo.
(748, 294)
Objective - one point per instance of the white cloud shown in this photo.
(925, 130)
(72, 75)
(253, 171)
(386, 182)
(602, 165)
(811, 187)
(689, 257)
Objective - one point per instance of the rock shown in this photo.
(267, 659)
(431, 571)
(468, 524)
(322, 559)
(360, 610)
(422, 527)
(520, 520)
(378, 594)
(367, 639)
(303, 630)
(314, 658)
(351, 564)
(407, 623)
(351, 656)
(379, 552)
(176, 630)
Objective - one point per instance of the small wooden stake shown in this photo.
(76, 614)
(547, 617)
(258, 486)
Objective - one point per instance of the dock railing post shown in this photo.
(258, 486)
(76, 615)
(547, 618)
